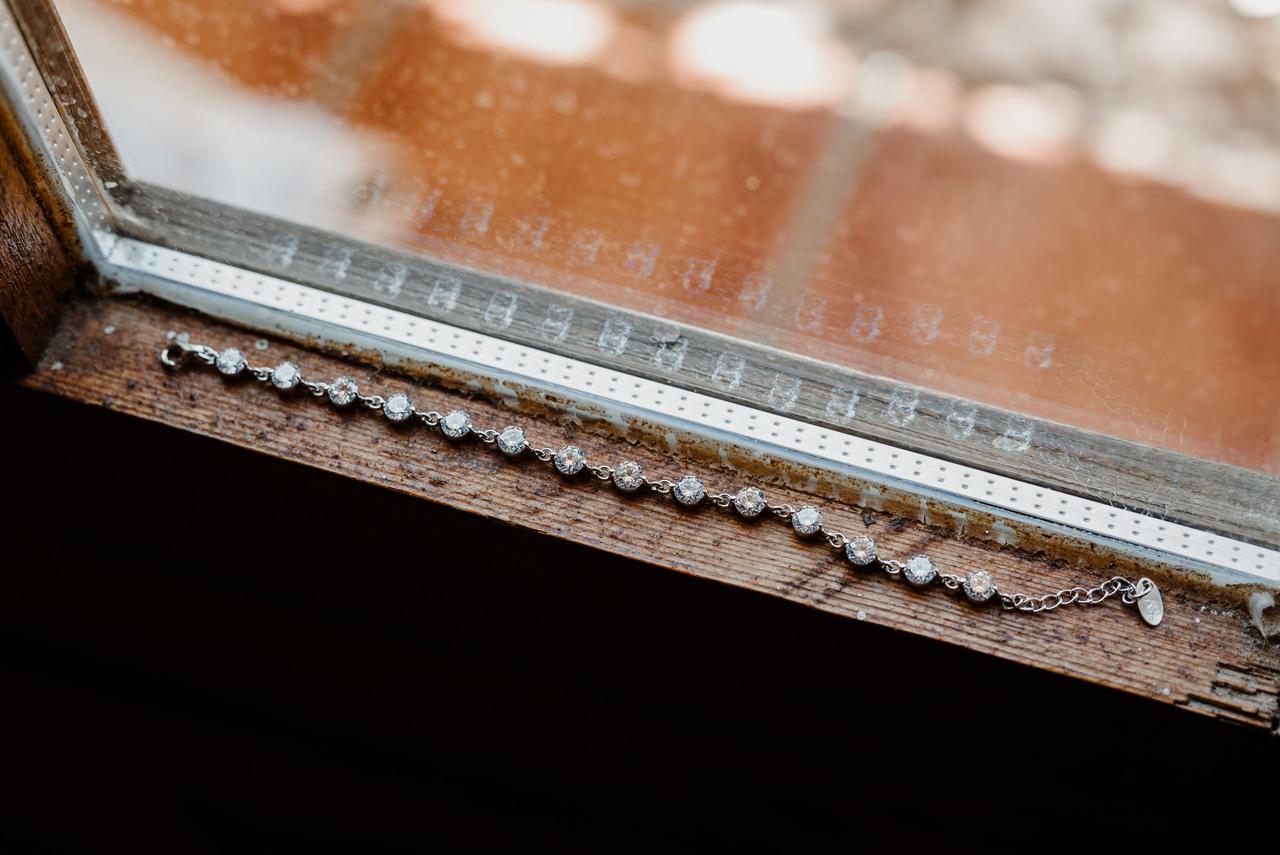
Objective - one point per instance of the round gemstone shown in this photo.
(343, 391)
(398, 407)
(688, 491)
(919, 570)
(286, 375)
(512, 440)
(749, 501)
(570, 460)
(230, 362)
(807, 520)
(456, 424)
(860, 550)
(629, 476)
(979, 586)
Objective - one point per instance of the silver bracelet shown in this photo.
(688, 491)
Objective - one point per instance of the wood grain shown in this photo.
(1205, 658)
(35, 267)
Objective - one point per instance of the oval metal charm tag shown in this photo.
(1151, 605)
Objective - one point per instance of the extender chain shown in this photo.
(688, 491)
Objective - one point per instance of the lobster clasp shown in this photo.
(173, 356)
(176, 353)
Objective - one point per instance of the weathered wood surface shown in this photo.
(1205, 657)
(199, 639)
(35, 267)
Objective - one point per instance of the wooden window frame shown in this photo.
(99, 351)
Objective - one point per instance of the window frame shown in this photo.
(1128, 502)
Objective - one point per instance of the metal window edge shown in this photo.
(268, 302)
(279, 305)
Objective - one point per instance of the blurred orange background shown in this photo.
(1020, 241)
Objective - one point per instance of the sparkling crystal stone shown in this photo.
(979, 586)
(806, 520)
(456, 424)
(629, 476)
(343, 391)
(919, 570)
(749, 501)
(286, 375)
(398, 407)
(570, 460)
(688, 491)
(512, 440)
(230, 362)
(860, 550)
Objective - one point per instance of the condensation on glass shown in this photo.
(1068, 211)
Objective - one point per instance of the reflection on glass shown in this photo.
(1064, 209)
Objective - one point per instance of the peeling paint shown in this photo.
(1004, 533)
(1264, 613)
(871, 497)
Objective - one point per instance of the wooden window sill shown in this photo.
(1205, 658)
(197, 624)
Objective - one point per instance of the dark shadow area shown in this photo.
(204, 648)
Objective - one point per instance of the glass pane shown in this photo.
(1064, 209)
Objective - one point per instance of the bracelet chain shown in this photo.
(749, 502)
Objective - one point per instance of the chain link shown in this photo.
(316, 388)
(950, 581)
(781, 511)
(1067, 596)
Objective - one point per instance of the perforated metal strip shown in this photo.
(875, 460)
(23, 83)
